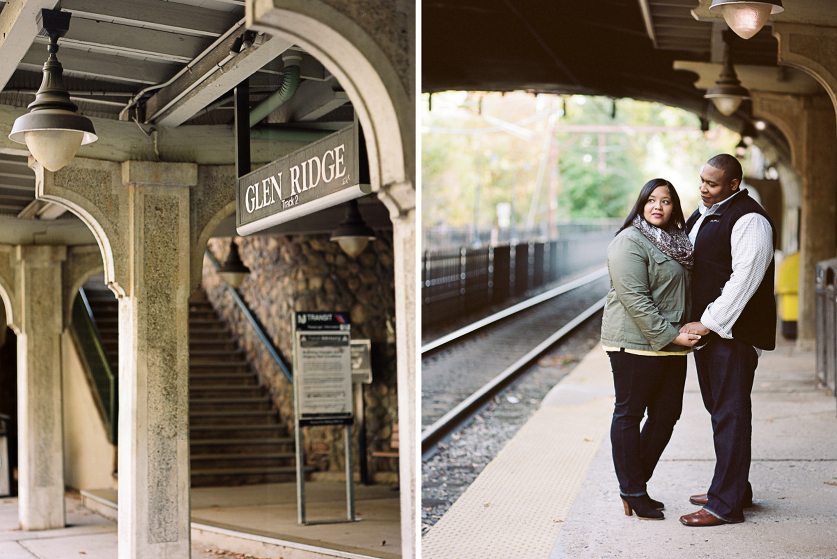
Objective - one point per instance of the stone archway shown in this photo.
(371, 52)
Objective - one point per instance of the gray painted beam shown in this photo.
(101, 66)
(208, 80)
(155, 14)
(17, 31)
(114, 38)
(123, 141)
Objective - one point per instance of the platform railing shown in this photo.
(92, 352)
(271, 349)
(459, 281)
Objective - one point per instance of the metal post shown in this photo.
(241, 100)
(350, 480)
(361, 434)
(300, 449)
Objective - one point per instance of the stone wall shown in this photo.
(310, 273)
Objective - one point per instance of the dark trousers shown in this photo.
(726, 369)
(652, 383)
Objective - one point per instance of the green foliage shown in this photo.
(590, 173)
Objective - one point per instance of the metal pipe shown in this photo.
(289, 84)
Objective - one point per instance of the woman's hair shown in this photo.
(676, 221)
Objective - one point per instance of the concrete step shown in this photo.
(210, 366)
(261, 402)
(213, 352)
(248, 432)
(206, 323)
(248, 417)
(241, 446)
(207, 334)
(215, 391)
(229, 460)
(223, 379)
(227, 478)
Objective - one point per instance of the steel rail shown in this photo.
(452, 420)
(523, 305)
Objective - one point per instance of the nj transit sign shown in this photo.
(323, 174)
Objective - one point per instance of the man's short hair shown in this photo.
(729, 165)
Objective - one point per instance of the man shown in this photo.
(733, 307)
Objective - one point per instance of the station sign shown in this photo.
(325, 173)
(322, 368)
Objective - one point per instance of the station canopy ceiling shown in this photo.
(164, 65)
(615, 48)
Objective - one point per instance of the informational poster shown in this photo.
(323, 371)
(361, 362)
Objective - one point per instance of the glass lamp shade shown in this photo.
(726, 104)
(746, 17)
(352, 245)
(53, 148)
(234, 279)
(53, 136)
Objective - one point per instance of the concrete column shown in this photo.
(813, 49)
(404, 244)
(810, 127)
(154, 365)
(39, 323)
(151, 221)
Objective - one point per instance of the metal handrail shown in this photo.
(254, 322)
(90, 344)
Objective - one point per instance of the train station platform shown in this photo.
(551, 493)
(257, 521)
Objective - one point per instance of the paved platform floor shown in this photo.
(794, 476)
(258, 521)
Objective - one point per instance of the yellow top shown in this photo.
(644, 352)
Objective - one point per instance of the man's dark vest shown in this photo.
(713, 268)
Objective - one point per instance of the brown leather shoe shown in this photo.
(700, 500)
(702, 518)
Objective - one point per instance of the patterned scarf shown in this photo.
(676, 245)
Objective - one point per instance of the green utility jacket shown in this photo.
(648, 300)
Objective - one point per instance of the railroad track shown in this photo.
(464, 370)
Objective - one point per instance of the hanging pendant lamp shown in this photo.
(233, 271)
(52, 130)
(727, 93)
(353, 234)
(746, 17)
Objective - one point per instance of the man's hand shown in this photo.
(695, 328)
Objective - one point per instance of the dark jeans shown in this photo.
(726, 369)
(653, 383)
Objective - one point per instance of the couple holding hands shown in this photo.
(702, 285)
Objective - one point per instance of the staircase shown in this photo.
(235, 432)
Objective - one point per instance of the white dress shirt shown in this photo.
(752, 250)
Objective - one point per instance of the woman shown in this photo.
(649, 263)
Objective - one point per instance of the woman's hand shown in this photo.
(688, 340)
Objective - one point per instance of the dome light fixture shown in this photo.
(727, 93)
(52, 130)
(353, 234)
(746, 17)
(233, 271)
